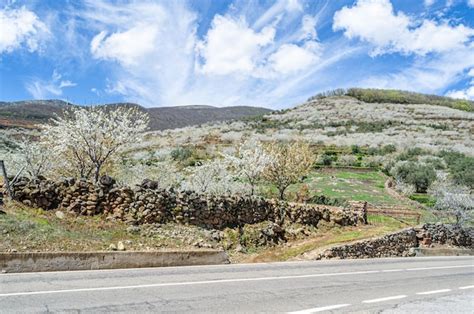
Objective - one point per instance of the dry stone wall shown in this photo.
(148, 204)
(402, 243)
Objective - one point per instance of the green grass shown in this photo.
(344, 184)
(424, 199)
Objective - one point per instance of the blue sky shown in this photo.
(263, 53)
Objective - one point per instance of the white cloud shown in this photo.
(429, 2)
(233, 63)
(467, 93)
(21, 27)
(232, 46)
(375, 22)
(126, 47)
(430, 75)
(278, 9)
(308, 28)
(290, 58)
(470, 3)
(42, 89)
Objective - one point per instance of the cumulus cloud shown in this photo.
(429, 2)
(154, 49)
(156, 59)
(42, 89)
(21, 27)
(467, 93)
(376, 22)
(470, 3)
(126, 47)
(232, 46)
(291, 58)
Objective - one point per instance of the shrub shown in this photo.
(405, 97)
(326, 159)
(462, 172)
(411, 154)
(388, 149)
(181, 153)
(419, 175)
(460, 167)
(325, 200)
(355, 149)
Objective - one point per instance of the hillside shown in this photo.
(31, 112)
(343, 121)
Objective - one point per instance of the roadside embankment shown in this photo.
(405, 243)
(61, 261)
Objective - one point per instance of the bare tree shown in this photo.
(87, 139)
(290, 162)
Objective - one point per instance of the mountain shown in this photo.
(368, 118)
(30, 112)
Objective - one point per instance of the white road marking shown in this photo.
(168, 284)
(466, 287)
(320, 309)
(391, 270)
(395, 297)
(440, 267)
(433, 291)
(216, 281)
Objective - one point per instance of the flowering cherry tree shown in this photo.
(213, 178)
(34, 156)
(456, 200)
(250, 161)
(88, 139)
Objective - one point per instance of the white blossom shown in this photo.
(249, 162)
(456, 200)
(87, 139)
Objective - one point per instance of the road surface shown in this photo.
(392, 285)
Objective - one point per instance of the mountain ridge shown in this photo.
(28, 113)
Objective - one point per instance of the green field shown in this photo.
(367, 185)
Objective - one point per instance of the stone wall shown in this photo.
(443, 234)
(395, 244)
(402, 243)
(148, 204)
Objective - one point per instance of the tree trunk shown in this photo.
(97, 174)
(5, 180)
(282, 193)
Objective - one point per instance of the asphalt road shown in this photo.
(395, 285)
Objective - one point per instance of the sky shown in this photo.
(274, 54)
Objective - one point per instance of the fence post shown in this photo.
(5, 179)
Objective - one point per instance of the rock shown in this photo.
(112, 247)
(120, 246)
(239, 248)
(133, 229)
(59, 214)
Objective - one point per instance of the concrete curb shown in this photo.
(444, 252)
(60, 261)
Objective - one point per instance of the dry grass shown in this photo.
(25, 229)
(325, 237)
